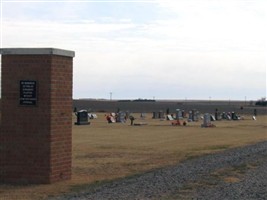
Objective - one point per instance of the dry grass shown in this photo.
(103, 151)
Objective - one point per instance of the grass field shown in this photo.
(103, 151)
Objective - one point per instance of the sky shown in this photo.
(157, 49)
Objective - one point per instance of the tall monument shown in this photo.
(36, 115)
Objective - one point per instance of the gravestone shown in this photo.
(190, 116)
(143, 115)
(195, 115)
(154, 115)
(161, 114)
(179, 114)
(158, 115)
(216, 114)
(212, 118)
(234, 116)
(255, 112)
(120, 117)
(206, 120)
(82, 118)
(169, 117)
(183, 114)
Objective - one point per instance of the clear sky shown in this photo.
(162, 49)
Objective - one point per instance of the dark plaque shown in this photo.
(28, 94)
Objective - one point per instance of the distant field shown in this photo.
(103, 151)
(149, 107)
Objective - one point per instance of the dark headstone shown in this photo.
(255, 112)
(82, 118)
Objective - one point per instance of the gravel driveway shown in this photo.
(239, 173)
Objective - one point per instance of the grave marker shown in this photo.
(179, 114)
(207, 121)
(82, 118)
(121, 117)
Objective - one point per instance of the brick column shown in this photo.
(36, 115)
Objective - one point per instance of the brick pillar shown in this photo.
(36, 121)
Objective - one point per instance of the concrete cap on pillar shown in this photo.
(36, 51)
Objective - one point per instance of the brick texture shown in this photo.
(36, 141)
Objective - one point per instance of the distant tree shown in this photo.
(261, 102)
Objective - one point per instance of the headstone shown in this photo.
(229, 116)
(161, 114)
(143, 115)
(155, 115)
(183, 114)
(169, 117)
(195, 115)
(216, 115)
(234, 116)
(158, 115)
(92, 116)
(212, 118)
(179, 114)
(127, 114)
(112, 119)
(82, 118)
(120, 117)
(168, 111)
(223, 115)
(190, 116)
(206, 120)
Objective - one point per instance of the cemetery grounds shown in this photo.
(103, 152)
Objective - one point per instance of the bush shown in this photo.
(261, 103)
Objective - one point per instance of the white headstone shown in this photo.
(169, 117)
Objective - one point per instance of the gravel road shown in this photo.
(239, 173)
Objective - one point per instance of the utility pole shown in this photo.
(110, 95)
